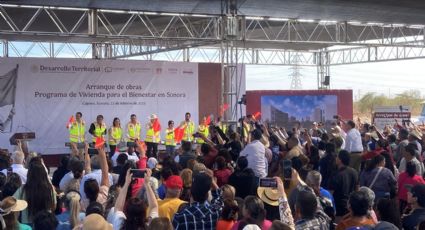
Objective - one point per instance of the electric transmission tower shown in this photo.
(296, 72)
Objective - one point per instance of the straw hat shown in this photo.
(268, 195)
(416, 134)
(96, 222)
(153, 116)
(11, 204)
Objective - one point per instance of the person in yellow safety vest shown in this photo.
(152, 137)
(170, 142)
(189, 128)
(221, 125)
(114, 135)
(204, 130)
(133, 130)
(98, 128)
(76, 133)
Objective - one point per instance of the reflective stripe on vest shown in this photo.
(76, 132)
(133, 131)
(98, 131)
(169, 137)
(152, 136)
(188, 131)
(116, 134)
(204, 131)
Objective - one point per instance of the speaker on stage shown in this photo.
(327, 80)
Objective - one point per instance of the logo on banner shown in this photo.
(63, 69)
(173, 70)
(113, 69)
(188, 71)
(141, 70)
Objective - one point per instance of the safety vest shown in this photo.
(203, 129)
(189, 130)
(98, 130)
(115, 135)
(77, 131)
(152, 136)
(133, 131)
(169, 137)
(223, 127)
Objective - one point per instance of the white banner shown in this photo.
(49, 91)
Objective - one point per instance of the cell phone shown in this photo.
(138, 173)
(287, 169)
(268, 182)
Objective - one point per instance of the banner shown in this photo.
(387, 115)
(49, 91)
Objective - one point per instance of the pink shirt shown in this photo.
(404, 179)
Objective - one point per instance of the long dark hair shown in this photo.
(38, 190)
(374, 162)
(388, 211)
(135, 212)
(255, 208)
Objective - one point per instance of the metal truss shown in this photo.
(47, 23)
(373, 54)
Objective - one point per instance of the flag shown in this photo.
(207, 120)
(223, 109)
(178, 134)
(70, 121)
(8, 87)
(156, 125)
(100, 142)
(256, 115)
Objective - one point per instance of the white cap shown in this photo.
(152, 162)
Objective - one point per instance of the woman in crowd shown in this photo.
(223, 172)
(38, 192)
(186, 175)
(405, 178)
(229, 215)
(72, 216)
(10, 208)
(13, 183)
(253, 213)
(378, 178)
(133, 215)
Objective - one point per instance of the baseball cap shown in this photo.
(417, 191)
(174, 182)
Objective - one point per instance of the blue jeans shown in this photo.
(169, 149)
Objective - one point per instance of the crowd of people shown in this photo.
(252, 175)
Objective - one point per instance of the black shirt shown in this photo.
(184, 158)
(411, 221)
(343, 183)
(245, 182)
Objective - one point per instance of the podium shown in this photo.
(23, 137)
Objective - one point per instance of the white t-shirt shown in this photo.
(116, 218)
(132, 157)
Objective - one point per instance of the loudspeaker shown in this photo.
(327, 80)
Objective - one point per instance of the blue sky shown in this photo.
(389, 78)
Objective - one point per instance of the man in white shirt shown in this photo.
(132, 156)
(96, 174)
(410, 155)
(18, 166)
(353, 145)
(255, 154)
